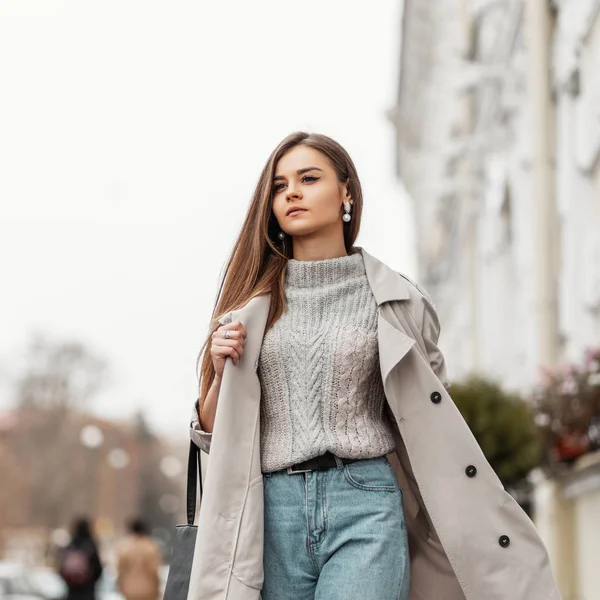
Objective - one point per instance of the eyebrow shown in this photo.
(299, 172)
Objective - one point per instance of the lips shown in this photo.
(295, 210)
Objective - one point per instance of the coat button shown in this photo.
(436, 397)
(504, 541)
(471, 471)
(256, 364)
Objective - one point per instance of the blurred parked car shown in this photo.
(48, 584)
(18, 582)
(14, 584)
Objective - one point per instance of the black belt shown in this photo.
(319, 463)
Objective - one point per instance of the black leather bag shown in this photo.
(178, 581)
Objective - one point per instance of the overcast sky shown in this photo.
(132, 134)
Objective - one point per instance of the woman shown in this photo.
(79, 562)
(339, 466)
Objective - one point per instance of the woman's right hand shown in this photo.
(221, 347)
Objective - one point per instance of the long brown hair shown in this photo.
(258, 260)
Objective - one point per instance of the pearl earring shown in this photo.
(347, 217)
(281, 235)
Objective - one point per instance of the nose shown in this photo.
(292, 192)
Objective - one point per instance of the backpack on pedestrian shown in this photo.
(76, 567)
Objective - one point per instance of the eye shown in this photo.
(306, 179)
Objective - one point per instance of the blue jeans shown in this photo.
(336, 534)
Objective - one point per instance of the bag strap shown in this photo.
(194, 469)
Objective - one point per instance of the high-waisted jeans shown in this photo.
(337, 534)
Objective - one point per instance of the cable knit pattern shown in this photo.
(319, 368)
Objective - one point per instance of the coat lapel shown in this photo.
(394, 345)
(387, 286)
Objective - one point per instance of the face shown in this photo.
(305, 179)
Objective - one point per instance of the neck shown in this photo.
(311, 248)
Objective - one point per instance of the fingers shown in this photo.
(221, 352)
(236, 330)
(233, 346)
(225, 348)
(224, 345)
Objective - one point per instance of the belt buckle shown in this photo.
(291, 470)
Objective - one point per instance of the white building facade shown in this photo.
(498, 129)
(498, 145)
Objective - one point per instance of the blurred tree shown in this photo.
(13, 486)
(157, 491)
(57, 382)
(503, 425)
(143, 433)
(58, 471)
(59, 375)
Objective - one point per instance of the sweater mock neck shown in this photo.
(322, 273)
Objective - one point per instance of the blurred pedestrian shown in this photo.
(138, 563)
(79, 562)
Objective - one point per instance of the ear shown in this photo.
(347, 195)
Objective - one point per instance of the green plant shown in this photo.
(502, 424)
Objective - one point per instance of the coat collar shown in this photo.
(386, 284)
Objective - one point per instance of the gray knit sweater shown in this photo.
(319, 368)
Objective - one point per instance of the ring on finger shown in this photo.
(226, 334)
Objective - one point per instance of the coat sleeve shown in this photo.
(201, 438)
(430, 331)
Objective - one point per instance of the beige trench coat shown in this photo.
(468, 538)
(138, 562)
